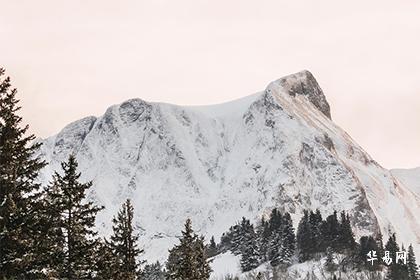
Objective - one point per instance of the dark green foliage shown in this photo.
(395, 270)
(124, 243)
(77, 219)
(330, 231)
(248, 247)
(282, 246)
(212, 248)
(106, 262)
(19, 193)
(412, 267)
(345, 239)
(304, 238)
(369, 244)
(188, 260)
(153, 271)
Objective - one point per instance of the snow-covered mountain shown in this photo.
(215, 164)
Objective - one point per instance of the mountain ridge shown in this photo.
(277, 148)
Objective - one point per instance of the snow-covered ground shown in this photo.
(215, 164)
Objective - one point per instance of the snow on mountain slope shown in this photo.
(215, 164)
(410, 178)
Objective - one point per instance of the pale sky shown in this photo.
(71, 59)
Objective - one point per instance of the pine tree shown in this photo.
(304, 238)
(153, 271)
(77, 221)
(188, 260)
(124, 243)
(368, 244)
(263, 239)
(49, 247)
(288, 239)
(315, 223)
(249, 248)
(19, 192)
(330, 231)
(345, 234)
(212, 248)
(282, 243)
(203, 267)
(106, 262)
(394, 270)
(412, 267)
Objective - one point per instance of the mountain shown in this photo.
(410, 178)
(215, 164)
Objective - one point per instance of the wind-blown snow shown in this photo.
(215, 164)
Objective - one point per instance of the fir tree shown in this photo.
(412, 267)
(395, 270)
(283, 243)
(249, 248)
(315, 223)
(212, 248)
(345, 234)
(263, 238)
(368, 244)
(153, 271)
(188, 261)
(77, 221)
(49, 247)
(106, 262)
(330, 231)
(19, 192)
(203, 267)
(304, 238)
(124, 243)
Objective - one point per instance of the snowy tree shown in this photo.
(395, 270)
(106, 263)
(304, 238)
(345, 234)
(212, 248)
(249, 248)
(19, 192)
(77, 220)
(123, 243)
(188, 260)
(330, 231)
(153, 271)
(412, 267)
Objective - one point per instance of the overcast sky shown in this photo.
(70, 59)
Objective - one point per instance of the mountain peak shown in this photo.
(304, 83)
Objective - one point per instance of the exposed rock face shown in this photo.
(305, 84)
(215, 164)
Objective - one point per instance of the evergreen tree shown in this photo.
(19, 192)
(49, 247)
(330, 231)
(369, 244)
(106, 262)
(304, 238)
(283, 243)
(203, 267)
(77, 221)
(249, 248)
(236, 239)
(188, 261)
(263, 237)
(212, 248)
(413, 270)
(315, 223)
(345, 234)
(395, 270)
(124, 243)
(153, 271)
